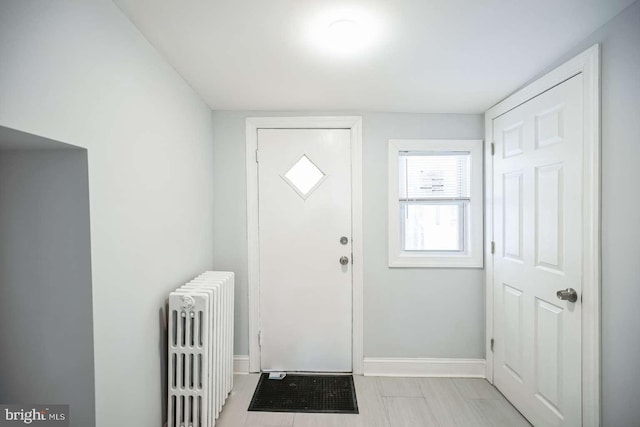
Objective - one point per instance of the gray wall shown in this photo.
(408, 312)
(620, 43)
(79, 72)
(46, 320)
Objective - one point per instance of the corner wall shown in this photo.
(46, 319)
(79, 72)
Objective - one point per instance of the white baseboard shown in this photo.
(403, 367)
(240, 364)
(421, 367)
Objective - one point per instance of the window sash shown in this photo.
(463, 207)
(434, 175)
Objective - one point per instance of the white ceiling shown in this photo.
(457, 56)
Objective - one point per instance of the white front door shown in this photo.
(538, 224)
(304, 184)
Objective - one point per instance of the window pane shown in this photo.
(433, 176)
(432, 227)
(304, 175)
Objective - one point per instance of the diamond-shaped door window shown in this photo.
(304, 176)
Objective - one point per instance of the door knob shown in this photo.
(344, 260)
(568, 294)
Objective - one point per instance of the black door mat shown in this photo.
(330, 394)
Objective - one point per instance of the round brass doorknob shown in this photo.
(344, 260)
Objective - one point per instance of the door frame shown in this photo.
(588, 64)
(354, 124)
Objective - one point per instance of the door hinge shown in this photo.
(492, 344)
(260, 339)
(493, 247)
(493, 148)
(257, 156)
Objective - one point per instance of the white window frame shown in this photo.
(472, 257)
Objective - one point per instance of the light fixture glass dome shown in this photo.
(345, 32)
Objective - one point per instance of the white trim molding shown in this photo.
(588, 64)
(471, 257)
(421, 367)
(353, 123)
(240, 364)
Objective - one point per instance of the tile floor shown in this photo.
(389, 402)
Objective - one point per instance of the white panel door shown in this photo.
(304, 183)
(538, 251)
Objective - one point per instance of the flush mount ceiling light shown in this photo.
(345, 33)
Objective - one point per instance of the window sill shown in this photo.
(410, 260)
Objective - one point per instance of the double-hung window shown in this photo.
(435, 203)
